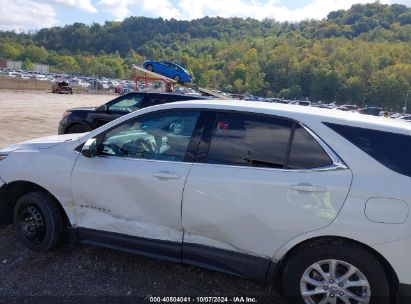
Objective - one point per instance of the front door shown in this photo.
(134, 186)
(118, 107)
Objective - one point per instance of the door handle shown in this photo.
(308, 188)
(166, 175)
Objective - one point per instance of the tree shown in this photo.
(325, 85)
(27, 64)
(8, 51)
(388, 90)
(35, 53)
(355, 90)
(66, 64)
(294, 92)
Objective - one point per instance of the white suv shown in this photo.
(314, 199)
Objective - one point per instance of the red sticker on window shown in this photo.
(222, 125)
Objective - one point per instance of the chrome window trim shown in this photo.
(338, 163)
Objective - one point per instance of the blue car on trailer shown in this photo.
(168, 69)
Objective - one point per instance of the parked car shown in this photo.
(118, 89)
(315, 199)
(405, 117)
(168, 69)
(85, 119)
(306, 103)
(348, 108)
(375, 111)
(61, 87)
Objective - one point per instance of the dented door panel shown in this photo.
(125, 196)
(256, 210)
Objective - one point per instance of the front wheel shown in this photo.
(335, 274)
(149, 67)
(38, 221)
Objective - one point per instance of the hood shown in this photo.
(42, 143)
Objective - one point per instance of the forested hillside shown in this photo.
(362, 55)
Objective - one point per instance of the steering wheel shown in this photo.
(117, 150)
(144, 145)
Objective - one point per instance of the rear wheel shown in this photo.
(77, 128)
(335, 274)
(177, 78)
(149, 67)
(38, 221)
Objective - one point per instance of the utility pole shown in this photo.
(404, 109)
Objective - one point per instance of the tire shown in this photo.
(149, 67)
(38, 221)
(177, 78)
(344, 255)
(77, 128)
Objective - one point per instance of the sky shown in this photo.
(26, 15)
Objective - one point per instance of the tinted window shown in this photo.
(390, 149)
(249, 140)
(128, 104)
(306, 152)
(163, 136)
(156, 100)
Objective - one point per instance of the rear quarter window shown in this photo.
(306, 152)
(390, 149)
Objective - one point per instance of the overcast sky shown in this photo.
(35, 14)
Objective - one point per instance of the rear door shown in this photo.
(259, 181)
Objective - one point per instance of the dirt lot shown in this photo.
(30, 114)
(87, 274)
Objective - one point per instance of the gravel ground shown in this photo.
(29, 114)
(88, 274)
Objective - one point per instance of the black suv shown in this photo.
(81, 120)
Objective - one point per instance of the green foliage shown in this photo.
(8, 50)
(27, 64)
(361, 55)
(35, 53)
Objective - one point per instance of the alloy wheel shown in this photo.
(334, 282)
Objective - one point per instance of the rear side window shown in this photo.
(249, 140)
(306, 152)
(390, 149)
(152, 101)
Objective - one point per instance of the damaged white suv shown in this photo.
(314, 199)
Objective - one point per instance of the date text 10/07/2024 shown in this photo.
(203, 300)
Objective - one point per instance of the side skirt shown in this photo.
(160, 249)
(235, 263)
(239, 264)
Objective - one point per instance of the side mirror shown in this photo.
(103, 108)
(90, 148)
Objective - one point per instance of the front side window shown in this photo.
(126, 105)
(390, 149)
(161, 136)
(249, 140)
